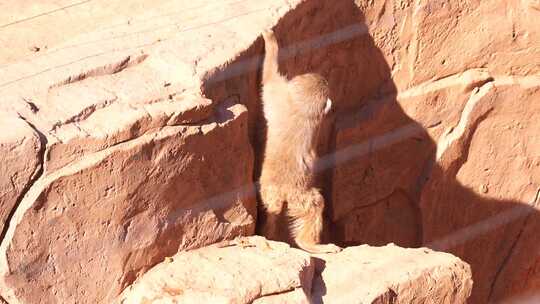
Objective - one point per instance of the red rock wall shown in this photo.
(449, 159)
(111, 159)
(435, 138)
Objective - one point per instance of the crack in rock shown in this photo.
(459, 130)
(108, 69)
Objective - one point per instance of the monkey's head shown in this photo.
(312, 92)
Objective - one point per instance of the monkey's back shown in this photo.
(288, 156)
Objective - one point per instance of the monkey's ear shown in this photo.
(328, 106)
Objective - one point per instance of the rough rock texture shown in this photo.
(17, 139)
(224, 273)
(128, 120)
(405, 78)
(391, 274)
(120, 159)
(443, 151)
(119, 210)
(246, 270)
(501, 174)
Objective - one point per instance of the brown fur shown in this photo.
(294, 111)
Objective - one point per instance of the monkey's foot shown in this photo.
(321, 248)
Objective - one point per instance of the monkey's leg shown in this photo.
(272, 201)
(306, 211)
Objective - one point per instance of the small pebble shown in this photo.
(484, 188)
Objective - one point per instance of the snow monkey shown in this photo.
(294, 110)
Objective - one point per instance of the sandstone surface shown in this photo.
(239, 271)
(443, 151)
(122, 160)
(391, 274)
(20, 157)
(254, 270)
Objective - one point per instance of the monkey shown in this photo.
(294, 110)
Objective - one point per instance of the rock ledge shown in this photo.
(254, 270)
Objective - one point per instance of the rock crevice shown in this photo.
(32, 177)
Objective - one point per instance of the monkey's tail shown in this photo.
(270, 65)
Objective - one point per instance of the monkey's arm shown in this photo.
(270, 65)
